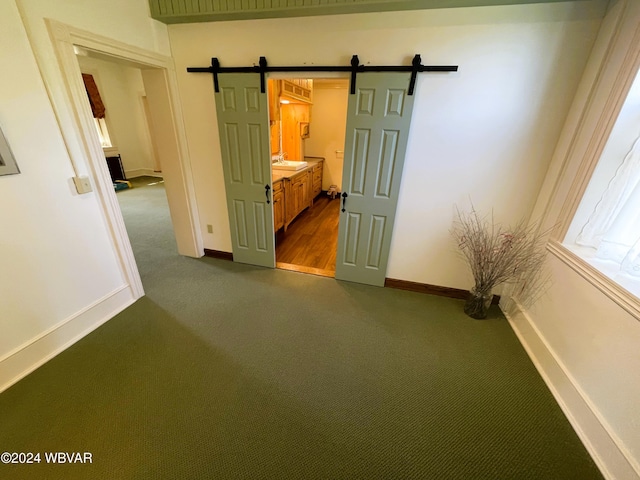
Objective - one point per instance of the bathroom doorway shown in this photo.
(377, 123)
(307, 120)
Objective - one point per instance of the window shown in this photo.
(103, 132)
(97, 109)
(605, 231)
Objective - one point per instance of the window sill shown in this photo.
(622, 289)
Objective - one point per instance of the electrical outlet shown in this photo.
(83, 184)
(210, 228)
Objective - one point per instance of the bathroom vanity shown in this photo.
(294, 190)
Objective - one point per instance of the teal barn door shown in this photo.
(378, 121)
(243, 123)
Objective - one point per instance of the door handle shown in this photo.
(344, 200)
(266, 192)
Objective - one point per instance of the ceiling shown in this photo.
(192, 11)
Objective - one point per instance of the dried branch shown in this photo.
(497, 255)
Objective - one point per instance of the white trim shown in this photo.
(605, 447)
(107, 45)
(42, 348)
(140, 172)
(91, 151)
(110, 151)
(611, 70)
(569, 142)
(595, 277)
(153, 149)
(608, 113)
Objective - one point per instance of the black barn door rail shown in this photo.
(355, 68)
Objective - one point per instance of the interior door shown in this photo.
(378, 121)
(243, 123)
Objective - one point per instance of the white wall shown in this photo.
(60, 276)
(328, 128)
(121, 89)
(585, 343)
(485, 133)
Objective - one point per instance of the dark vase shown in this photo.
(478, 303)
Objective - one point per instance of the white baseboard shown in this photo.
(606, 450)
(23, 360)
(140, 172)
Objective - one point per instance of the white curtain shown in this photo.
(613, 228)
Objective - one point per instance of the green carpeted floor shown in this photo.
(227, 371)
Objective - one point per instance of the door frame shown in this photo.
(302, 74)
(86, 154)
(328, 75)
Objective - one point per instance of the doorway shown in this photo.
(308, 123)
(378, 122)
(127, 132)
(86, 153)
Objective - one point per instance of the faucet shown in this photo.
(280, 158)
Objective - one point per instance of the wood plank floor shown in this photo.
(309, 245)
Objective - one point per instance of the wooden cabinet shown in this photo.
(297, 89)
(293, 115)
(278, 206)
(297, 195)
(316, 180)
(286, 121)
(292, 195)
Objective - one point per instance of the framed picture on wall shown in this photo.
(8, 164)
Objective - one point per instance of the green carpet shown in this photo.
(227, 371)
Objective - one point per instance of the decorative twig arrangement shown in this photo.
(498, 255)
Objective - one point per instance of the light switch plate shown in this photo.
(83, 184)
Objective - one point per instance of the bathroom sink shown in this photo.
(289, 165)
